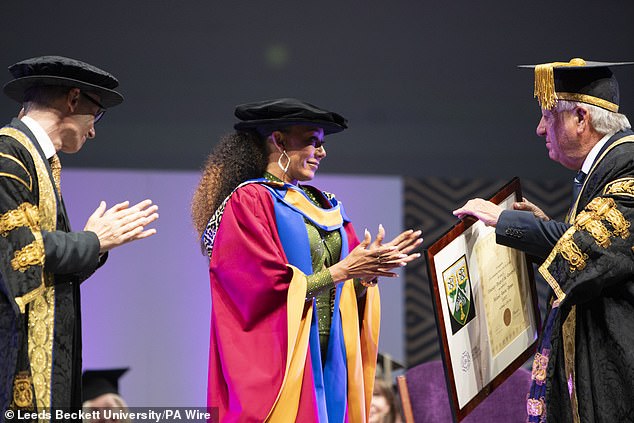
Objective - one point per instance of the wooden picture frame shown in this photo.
(485, 304)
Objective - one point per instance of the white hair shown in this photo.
(110, 401)
(602, 120)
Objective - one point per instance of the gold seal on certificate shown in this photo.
(485, 305)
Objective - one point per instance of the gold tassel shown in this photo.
(545, 81)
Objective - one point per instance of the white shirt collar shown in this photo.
(592, 155)
(41, 136)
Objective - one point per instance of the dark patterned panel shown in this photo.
(428, 205)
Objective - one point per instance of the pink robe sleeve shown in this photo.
(249, 283)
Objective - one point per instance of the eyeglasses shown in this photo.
(101, 110)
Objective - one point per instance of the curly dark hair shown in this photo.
(238, 156)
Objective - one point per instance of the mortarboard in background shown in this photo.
(98, 382)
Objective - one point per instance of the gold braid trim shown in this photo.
(620, 225)
(588, 222)
(41, 324)
(601, 205)
(28, 185)
(48, 203)
(569, 330)
(29, 297)
(552, 282)
(12, 176)
(31, 255)
(588, 99)
(567, 248)
(23, 392)
(571, 252)
(25, 215)
(602, 208)
(623, 186)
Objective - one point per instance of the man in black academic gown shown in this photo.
(584, 367)
(42, 261)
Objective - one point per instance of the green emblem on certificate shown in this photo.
(458, 293)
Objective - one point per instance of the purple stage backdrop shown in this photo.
(148, 308)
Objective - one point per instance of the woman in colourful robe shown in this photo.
(295, 307)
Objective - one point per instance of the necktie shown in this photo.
(56, 170)
(577, 184)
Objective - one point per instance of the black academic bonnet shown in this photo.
(62, 71)
(99, 382)
(269, 115)
(577, 80)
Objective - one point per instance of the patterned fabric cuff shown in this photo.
(317, 282)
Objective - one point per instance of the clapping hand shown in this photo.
(370, 258)
(121, 223)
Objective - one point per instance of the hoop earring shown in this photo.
(288, 161)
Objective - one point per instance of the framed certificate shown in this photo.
(485, 305)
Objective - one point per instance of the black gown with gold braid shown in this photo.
(41, 267)
(585, 363)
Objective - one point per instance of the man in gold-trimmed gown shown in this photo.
(43, 262)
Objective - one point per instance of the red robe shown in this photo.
(256, 311)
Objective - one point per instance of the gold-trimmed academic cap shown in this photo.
(98, 382)
(577, 80)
